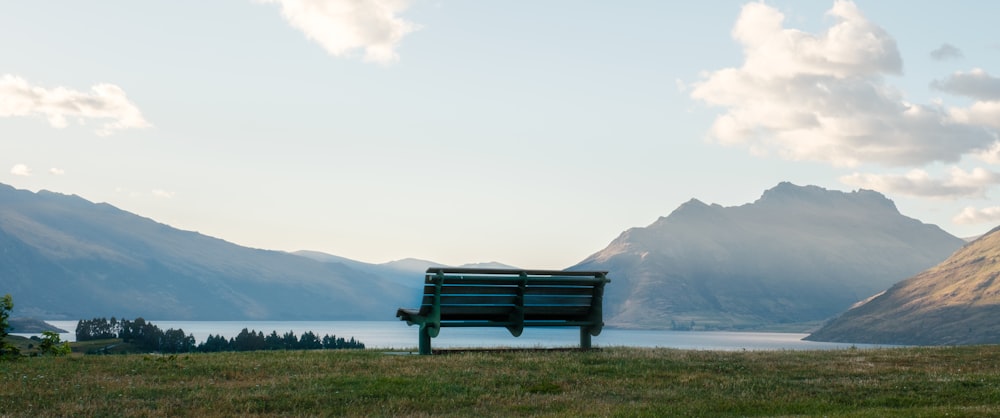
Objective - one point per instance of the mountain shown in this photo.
(797, 254)
(31, 326)
(955, 302)
(407, 272)
(63, 257)
(489, 265)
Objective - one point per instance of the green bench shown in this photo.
(514, 299)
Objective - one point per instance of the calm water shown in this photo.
(397, 335)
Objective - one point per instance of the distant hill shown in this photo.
(490, 265)
(23, 325)
(970, 239)
(955, 302)
(63, 257)
(797, 254)
(407, 272)
(411, 265)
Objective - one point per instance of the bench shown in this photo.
(514, 299)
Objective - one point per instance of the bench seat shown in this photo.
(510, 298)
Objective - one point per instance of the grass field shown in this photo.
(959, 381)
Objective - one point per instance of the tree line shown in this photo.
(148, 337)
(249, 340)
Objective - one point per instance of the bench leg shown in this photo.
(584, 338)
(425, 341)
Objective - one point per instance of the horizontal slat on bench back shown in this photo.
(514, 272)
(510, 290)
(473, 300)
(449, 275)
(514, 280)
(485, 312)
(558, 300)
(478, 300)
(545, 312)
(559, 290)
(473, 290)
(500, 313)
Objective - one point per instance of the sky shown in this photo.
(528, 133)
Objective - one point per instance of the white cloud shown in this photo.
(56, 171)
(162, 194)
(103, 101)
(979, 113)
(823, 97)
(971, 215)
(945, 52)
(342, 26)
(959, 183)
(991, 155)
(852, 47)
(20, 170)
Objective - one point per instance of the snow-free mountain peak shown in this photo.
(786, 193)
(797, 254)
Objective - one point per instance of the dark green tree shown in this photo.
(214, 344)
(290, 341)
(96, 329)
(273, 341)
(7, 350)
(248, 341)
(309, 341)
(52, 346)
(174, 341)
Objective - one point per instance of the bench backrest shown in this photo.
(494, 294)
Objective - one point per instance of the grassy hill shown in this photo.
(958, 381)
(955, 302)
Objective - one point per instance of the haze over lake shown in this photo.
(397, 335)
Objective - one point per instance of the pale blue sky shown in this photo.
(530, 133)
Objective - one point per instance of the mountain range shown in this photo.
(955, 302)
(63, 257)
(798, 254)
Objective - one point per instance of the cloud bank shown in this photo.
(823, 97)
(919, 183)
(342, 26)
(103, 101)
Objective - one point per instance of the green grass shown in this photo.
(906, 382)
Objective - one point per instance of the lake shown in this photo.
(397, 335)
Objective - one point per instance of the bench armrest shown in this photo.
(405, 314)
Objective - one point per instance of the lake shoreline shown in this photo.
(397, 335)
